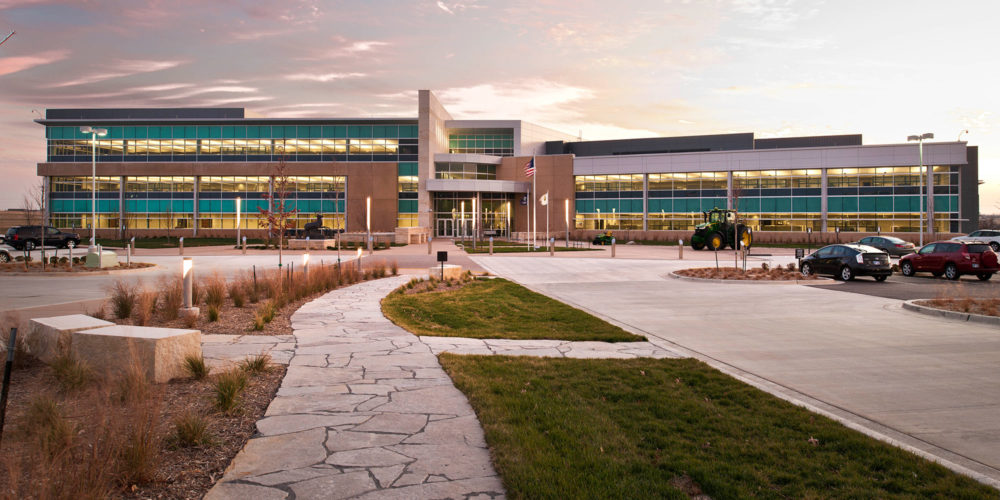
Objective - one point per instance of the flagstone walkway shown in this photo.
(364, 411)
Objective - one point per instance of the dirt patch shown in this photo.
(36, 267)
(967, 305)
(755, 274)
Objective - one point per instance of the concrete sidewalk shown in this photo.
(927, 384)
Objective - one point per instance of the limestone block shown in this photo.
(451, 272)
(47, 338)
(160, 351)
(106, 258)
(311, 244)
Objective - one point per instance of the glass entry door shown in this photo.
(445, 228)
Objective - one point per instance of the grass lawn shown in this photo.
(497, 309)
(644, 428)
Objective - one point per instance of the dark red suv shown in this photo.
(952, 259)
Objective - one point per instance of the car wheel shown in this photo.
(29, 245)
(881, 278)
(5, 258)
(807, 269)
(981, 276)
(951, 272)
(906, 268)
(995, 246)
(846, 273)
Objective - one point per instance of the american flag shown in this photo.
(529, 168)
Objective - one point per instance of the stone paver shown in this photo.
(550, 348)
(222, 350)
(364, 411)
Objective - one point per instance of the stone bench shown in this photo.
(159, 351)
(451, 272)
(311, 244)
(47, 338)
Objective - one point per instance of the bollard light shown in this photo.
(305, 264)
(360, 252)
(187, 272)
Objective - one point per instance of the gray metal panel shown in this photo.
(477, 185)
(947, 153)
(467, 158)
(969, 189)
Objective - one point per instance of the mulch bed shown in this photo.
(754, 274)
(967, 305)
(180, 472)
(36, 267)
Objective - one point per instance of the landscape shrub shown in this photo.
(213, 313)
(260, 363)
(145, 307)
(123, 297)
(195, 366)
(191, 429)
(171, 296)
(237, 293)
(71, 373)
(215, 291)
(227, 387)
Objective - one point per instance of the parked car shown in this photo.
(952, 259)
(4, 256)
(846, 261)
(889, 244)
(986, 235)
(30, 237)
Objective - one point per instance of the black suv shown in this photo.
(30, 237)
(847, 261)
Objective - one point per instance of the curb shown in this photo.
(911, 305)
(64, 274)
(821, 281)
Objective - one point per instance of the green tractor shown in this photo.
(721, 229)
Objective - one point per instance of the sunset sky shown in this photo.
(885, 69)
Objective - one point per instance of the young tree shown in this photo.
(278, 214)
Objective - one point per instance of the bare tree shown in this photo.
(278, 214)
(33, 204)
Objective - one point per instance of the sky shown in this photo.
(606, 70)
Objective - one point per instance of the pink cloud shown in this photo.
(120, 69)
(10, 65)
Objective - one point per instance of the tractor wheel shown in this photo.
(716, 241)
(746, 238)
(697, 245)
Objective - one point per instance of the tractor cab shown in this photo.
(719, 216)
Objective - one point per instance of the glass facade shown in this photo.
(858, 199)
(498, 144)
(609, 201)
(201, 143)
(454, 170)
(407, 183)
(70, 202)
(780, 200)
(453, 213)
(158, 203)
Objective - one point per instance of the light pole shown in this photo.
(239, 208)
(94, 132)
(920, 144)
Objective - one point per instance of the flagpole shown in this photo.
(547, 209)
(534, 202)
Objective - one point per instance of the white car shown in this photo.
(990, 236)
